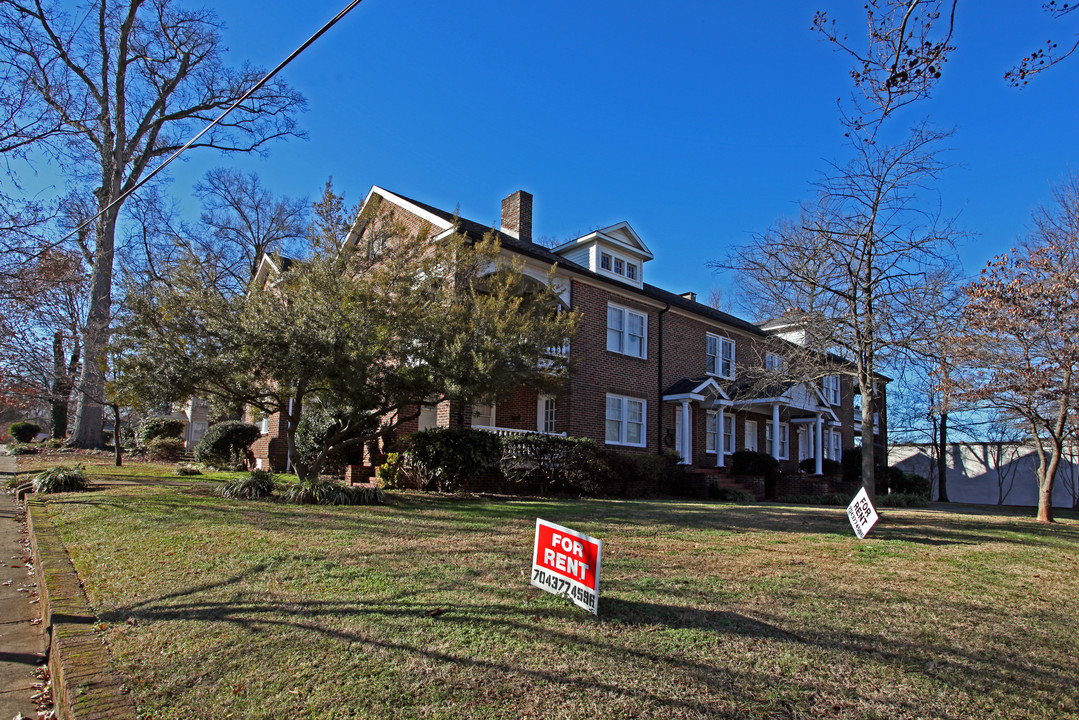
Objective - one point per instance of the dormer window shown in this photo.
(631, 271)
(619, 266)
(605, 261)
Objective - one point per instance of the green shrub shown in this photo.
(24, 432)
(446, 458)
(851, 460)
(21, 449)
(904, 483)
(828, 466)
(901, 500)
(396, 473)
(188, 470)
(106, 437)
(61, 478)
(751, 462)
(727, 494)
(255, 484)
(160, 427)
(166, 449)
(128, 438)
(553, 462)
(224, 446)
(330, 492)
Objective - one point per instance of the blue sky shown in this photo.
(698, 122)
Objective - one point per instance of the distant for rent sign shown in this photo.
(566, 562)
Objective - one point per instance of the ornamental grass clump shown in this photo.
(255, 484)
(322, 491)
(61, 478)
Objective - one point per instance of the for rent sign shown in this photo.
(566, 562)
(862, 514)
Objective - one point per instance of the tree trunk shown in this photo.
(118, 447)
(868, 439)
(61, 388)
(942, 459)
(91, 388)
(1045, 501)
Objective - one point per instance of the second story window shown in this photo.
(831, 389)
(605, 261)
(719, 356)
(627, 331)
(631, 271)
(775, 363)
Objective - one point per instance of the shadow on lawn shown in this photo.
(388, 624)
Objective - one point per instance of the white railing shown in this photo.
(502, 432)
(558, 350)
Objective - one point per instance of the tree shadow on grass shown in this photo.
(371, 623)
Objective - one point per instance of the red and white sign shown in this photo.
(566, 562)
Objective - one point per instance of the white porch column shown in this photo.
(775, 430)
(721, 422)
(819, 442)
(687, 435)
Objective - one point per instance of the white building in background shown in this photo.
(990, 473)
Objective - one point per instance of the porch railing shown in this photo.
(502, 432)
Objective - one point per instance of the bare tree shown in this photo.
(112, 89)
(1023, 318)
(245, 220)
(855, 263)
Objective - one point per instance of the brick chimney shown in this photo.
(517, 215)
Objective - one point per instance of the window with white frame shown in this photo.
(774, 363)
(627, 331)
(831, 389)
(834, 445)
(719, 356)
(711, 423)
(728, 434)
(751, 435)
(631, 271)
(619, 266)
(783, 447)
(605, 261)
(546, 414)
(625, 421)
(483, 414)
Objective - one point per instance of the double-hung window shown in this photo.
(546, 414)
(712, 432)
(719, 356)
(627, 331)
(625, 421)
(831, 389)
(783, 451)
(774, 363)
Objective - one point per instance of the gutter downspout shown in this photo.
(659, 385)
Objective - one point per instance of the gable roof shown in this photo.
(477, 231)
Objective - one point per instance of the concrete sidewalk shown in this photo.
(22, 644)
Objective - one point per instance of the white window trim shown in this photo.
(784, 440)
(494, 421)
(709, 416)
(775, 363)
(754, 445)
(720, 341)
(625, 260)
(625, 330)
(541, 413)
(832, 392)
(623, 422)
(721, 434)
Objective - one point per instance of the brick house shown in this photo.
(654, 370)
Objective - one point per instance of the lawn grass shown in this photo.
(101, 467)
(422, 609)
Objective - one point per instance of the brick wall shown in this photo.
(272, 447)
(599, 371)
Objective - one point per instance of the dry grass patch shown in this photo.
(422, 609)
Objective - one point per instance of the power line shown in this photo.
(266, 78)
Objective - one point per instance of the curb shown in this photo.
(83, 685)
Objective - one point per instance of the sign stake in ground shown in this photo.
(862, 514)
(566, 562)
